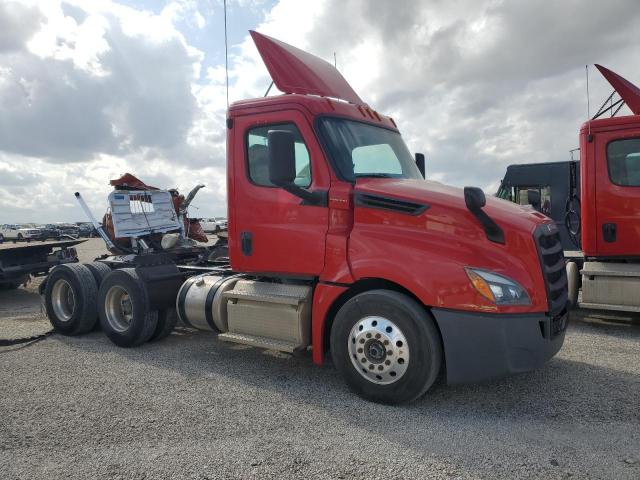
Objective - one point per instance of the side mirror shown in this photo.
(282, 157)
(533, 198)
(474, 198)
(420, 163)
(282, 168)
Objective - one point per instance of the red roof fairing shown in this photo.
(296, 71)
(627, 90)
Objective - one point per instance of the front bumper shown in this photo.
(481, 346)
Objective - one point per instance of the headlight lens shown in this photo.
(497, 288)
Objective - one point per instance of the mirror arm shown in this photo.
(475, 200)
(316, 198)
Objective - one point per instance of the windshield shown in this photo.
(361, 150)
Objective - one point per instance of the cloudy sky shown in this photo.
(92, 89)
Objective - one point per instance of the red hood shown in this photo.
(437, 196)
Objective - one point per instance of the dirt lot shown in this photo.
(193, 407)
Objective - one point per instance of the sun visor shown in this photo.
(627, 90)
(296, 71)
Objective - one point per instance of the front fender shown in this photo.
(430, 264)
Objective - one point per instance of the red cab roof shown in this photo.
(296, 71)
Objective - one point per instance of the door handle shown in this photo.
(609, 232)
(246, 243)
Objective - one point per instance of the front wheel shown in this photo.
(386, 346)
(573, 284)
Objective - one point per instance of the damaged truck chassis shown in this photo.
(338, 244)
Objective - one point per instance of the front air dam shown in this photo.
(481, 346)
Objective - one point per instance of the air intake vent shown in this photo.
(369, 200)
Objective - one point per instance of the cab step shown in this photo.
(260, 342)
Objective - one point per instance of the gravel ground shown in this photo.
(192, 407)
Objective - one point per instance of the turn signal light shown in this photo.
(480, 285)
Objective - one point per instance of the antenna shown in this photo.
(586, 68)
(335, 61)
(226, 51)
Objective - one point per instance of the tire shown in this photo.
(1, 238)
(20, 236)
(401, 347)
(99, 270)
(167, 320)
(573, 283)
(71, 299)
(123, 308)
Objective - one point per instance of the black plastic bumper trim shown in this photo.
(481, 346)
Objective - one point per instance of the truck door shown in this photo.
(617, 194)
(272, 230)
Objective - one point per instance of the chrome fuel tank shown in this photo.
(200, 302)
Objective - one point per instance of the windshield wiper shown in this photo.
(376, 175)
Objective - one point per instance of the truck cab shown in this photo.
(557, 188)
(352, 213)
(337, 244)
(610, 182)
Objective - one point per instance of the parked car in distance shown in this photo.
(17, 232)
(213, 224)
(49, 231)
(86, 229)
(68, 230)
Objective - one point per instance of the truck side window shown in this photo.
(258, 161)
(522, 194)
(623, 162)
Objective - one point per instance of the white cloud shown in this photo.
(91, 89)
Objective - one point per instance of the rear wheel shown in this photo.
(99, 271)
(167, 320)
(123, 307)
(70, 299)
(386, 346)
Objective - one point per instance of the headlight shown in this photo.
(496, 288)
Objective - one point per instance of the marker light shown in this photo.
(497, 288)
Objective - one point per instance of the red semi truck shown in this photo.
(338, 244)
(610, 206)
(601, 216)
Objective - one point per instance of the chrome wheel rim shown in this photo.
(378, 350)
(118, 308)
(63, 300)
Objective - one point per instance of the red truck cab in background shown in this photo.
(610, 206)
